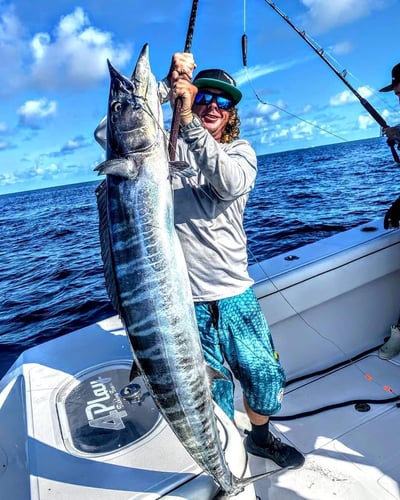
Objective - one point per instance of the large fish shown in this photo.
(145, 269)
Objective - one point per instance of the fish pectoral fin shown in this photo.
(181, 169)
(120, 167)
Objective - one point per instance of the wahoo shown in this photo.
(145, 269)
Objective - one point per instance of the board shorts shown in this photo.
(234, 331)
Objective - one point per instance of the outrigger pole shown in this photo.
(178, 103)
(341, 74)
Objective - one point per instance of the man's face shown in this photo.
(213, 117)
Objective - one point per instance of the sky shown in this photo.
(54, 80)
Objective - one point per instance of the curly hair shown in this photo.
(232, 130)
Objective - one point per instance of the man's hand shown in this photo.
(183, 88)
(392, 217)
(179, 76)
(392, 133)
(183, 63)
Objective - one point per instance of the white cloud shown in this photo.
(324, 15)
(76, 56)
(341, 48)
(73, 144)
(270, 110)
(365, 91)
(39, 44)
(302, 129)
(251, 73)
(43, 170)
(342, 98)
(275, 116)
(48, 172)
(8, 178)
(365, 121)
(32, 114)
(12, 50)
(72, 55)
(347, 96)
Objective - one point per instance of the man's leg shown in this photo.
(250, 353)
(262, 443)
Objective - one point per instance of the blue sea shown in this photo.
(51, 278)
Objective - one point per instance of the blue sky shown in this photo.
(54, 78)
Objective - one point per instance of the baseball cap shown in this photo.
(395, 79)
(218, 79)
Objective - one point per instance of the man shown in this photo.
(209, 211)
(393, 133)
(392, 347)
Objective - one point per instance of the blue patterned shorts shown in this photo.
(234, 330)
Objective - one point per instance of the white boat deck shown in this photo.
(338, 298)
(349, 454)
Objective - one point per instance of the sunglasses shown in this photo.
(205, 98)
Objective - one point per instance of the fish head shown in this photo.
(134, 118)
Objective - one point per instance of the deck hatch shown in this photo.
(95, 419)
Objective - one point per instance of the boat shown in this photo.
(74, 426)
(66, 432)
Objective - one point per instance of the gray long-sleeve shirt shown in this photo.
(209, 209)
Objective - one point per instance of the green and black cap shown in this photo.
(218, 79)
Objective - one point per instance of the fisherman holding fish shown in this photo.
(209, 208)
(208, 217)
(392, 217)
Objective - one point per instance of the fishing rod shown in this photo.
(178, 103)
(341, 74)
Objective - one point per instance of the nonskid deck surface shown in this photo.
(350, 454)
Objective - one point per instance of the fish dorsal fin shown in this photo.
(105, 245)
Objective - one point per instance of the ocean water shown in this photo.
(51, 278)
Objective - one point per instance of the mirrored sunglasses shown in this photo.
(205, 98)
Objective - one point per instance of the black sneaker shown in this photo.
(282, 454)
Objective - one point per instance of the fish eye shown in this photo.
(116, 106)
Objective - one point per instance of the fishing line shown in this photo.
(266, 274)
(244, 54)
(361, 404)
(160, 127)
(341, 74)
(297, 313)
(260, 265)
(249, 81)
(289, 113)
(244, 16)
(350, 360)
(329, 369)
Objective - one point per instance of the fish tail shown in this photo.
(241, 483)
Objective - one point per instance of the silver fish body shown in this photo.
(145, 269)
